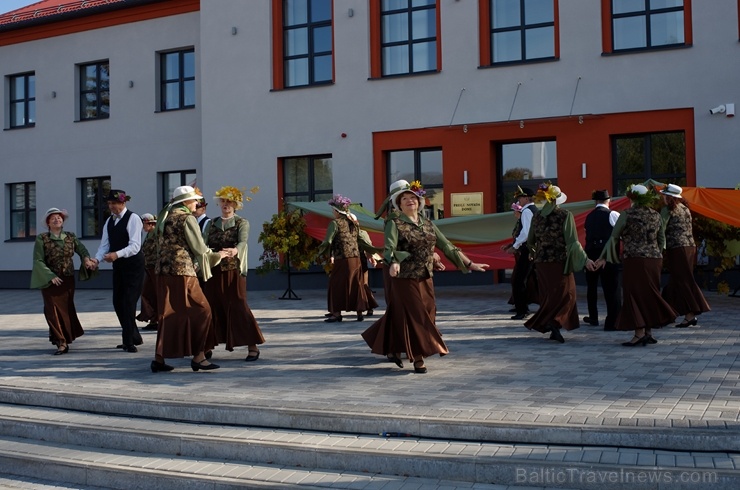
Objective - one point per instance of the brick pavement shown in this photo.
(503, 392)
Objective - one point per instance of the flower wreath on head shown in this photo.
(340, 203)
(231, 193)
(121, 196)
(417, 188)
(546, 193)
(642, 195)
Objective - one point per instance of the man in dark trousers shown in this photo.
(121, 247)
(599, 225)
(522, 266)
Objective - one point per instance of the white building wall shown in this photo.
(240, 128)
(131, 146)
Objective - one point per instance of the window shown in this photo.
(171, 180)
(95, 91)
(408, 36)
(307, 42)
(22, 100)
(177, 74)
(659, 156)
(525, 164)
(647, 24)
(94, 208)
(22, 210)
(422, 165)
(522, 30)
(307, 179)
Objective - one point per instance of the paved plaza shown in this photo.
(500, 383)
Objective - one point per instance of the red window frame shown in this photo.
(484, 32)
(606, 26)
(376, 59)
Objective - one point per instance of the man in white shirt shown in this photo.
(523, 266)
(120, 246)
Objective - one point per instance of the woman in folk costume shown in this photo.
(233, 321)
(53, 272)
(681, 292)
(641, 231)
(346, 291)
(183, 311)
(557, 253)
(149, 290)
(409, 323)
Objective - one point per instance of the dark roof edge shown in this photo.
(74, 14)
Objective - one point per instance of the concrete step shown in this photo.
(92, 448)
(623, 433)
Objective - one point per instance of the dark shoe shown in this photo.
(209, 354)
(610, 329)
(160, 367)
(130, 348)
(328, 315)
(151, 327)
(651, 339)
(640, 341)
(593, 323)
(394, 358)
(369, 313)
(252, 357)
(61, 351)
(205, 367)
(690, 323)
(333, 319)
(520, 316)
(360, 317)
(556, 335)
(419, 367)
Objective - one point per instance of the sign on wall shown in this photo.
(466, 203)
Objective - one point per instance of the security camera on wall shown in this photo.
(720, 109)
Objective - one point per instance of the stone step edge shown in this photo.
(107, 475)
(510, 471)
(722, 438)
(335, 458)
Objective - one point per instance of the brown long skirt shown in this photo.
(642, 304)
(557, 297)
(60, 312)
(148, 298)
(184, 317)
(346, 290)
(233, 321)
(409, 322)
(682, 292)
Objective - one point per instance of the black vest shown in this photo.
(598, 230)
(118, 234)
